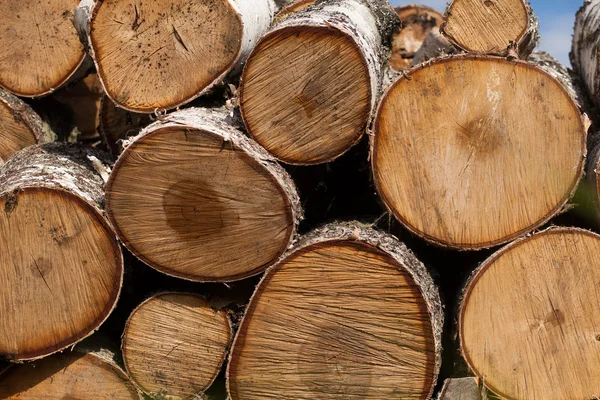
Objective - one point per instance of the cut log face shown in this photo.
(491, 26)
(148, 54)
(39, 46)
(313, 103)
(461, 146)
(175, 344)
(194, 198)
(20, 126)
(460, 389)
(60, 264)
(528, 322)
(68, 376)
(417, 22)
(117, 124)
(349, 313)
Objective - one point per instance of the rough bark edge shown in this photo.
(351, 18)
(584, 51)
(219, 123)
(254, 24)
(103, 355)
(559, 209)
(388, 244)
(155, 296)
(525, 43)
(22, 112)
(460, 389)
(482, 268)
(75, 170)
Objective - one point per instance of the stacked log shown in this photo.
(225, 288)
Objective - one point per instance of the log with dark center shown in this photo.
(60, 264)
(316, 101)
(474, 151)
(194, 198)
(348, 313)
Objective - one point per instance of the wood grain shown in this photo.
(175, 344)
(528, 322)
(471, 152)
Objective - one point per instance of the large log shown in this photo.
(473, 151)
(194, 198)
(20, 126)
(528, 318)
(174, 345)
(72, 375)
(348, 313)
(39, 47)
(61, 266)
(149, 55)
(317, 99)
(502, 27)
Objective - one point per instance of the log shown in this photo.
(39, 50)
(417, 22)
(584, 57)
(117, 124)
(435, 45)
(174, 345)
(156, 61)
(462, 144)
(69, 376)
(61, 265)
(291, 8)
(460, 389)
(527, 320)
(21, 126)
(192, 197)
(317, 100)
(501, 27)
(348, 313)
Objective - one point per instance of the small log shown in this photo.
(39, 47)
(462, 144)
(584, 52)
(460, 389)
(193, 197)
(21, 126)
(527, 322)
(117, 124)
(500, 27)
(325, 322)
(435, 45)
(417, 22)
(175, 344)
(61, 265)
(317, 100)
(155, 61)
(69, 376)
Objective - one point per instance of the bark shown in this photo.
(435, 45)
(584, 52)
(520, 47)
(256, 16)
(60, 166)
(23, 112)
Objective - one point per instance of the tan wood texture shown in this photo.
(528, 322)
(312, 104)
(39, 46)
(67, 376)
(471, 152)
(117, 124)
(417, 22)
(490, 26)
(175, 344)
(149, 54)
(336, 319)
(199, 202)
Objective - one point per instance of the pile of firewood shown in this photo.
(319, 199)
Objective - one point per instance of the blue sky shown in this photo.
(557, 18)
